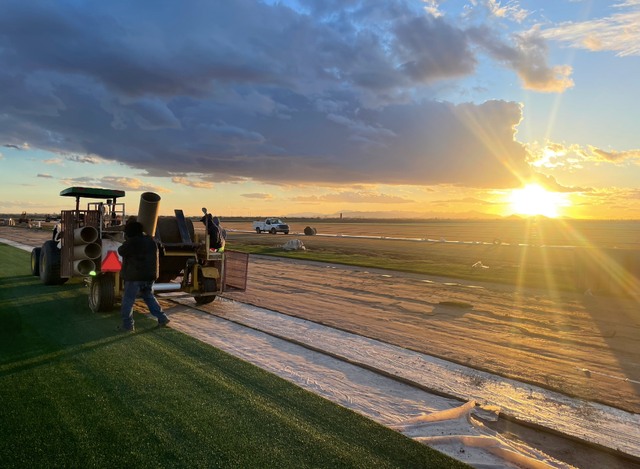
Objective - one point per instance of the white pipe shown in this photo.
(166, 286)
(85, 235)
(87, 251)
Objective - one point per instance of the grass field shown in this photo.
(531, 267)
(624, 234)
(531, 260)
(75, 393)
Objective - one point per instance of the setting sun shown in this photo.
(534, 200)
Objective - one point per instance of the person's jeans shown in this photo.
(131, 290)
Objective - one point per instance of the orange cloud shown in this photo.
(196, 184)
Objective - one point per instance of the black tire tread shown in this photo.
(209, 285)
(106, 286)
(50, 256)
(35, 261)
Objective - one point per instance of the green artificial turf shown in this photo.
(75, 393)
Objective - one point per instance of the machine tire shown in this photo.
(49, 268)
(273, 231)
(102, 293)
(209, 285)
(35, 261)
(258, 230)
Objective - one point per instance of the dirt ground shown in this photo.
(531, 335)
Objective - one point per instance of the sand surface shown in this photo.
(528, 335)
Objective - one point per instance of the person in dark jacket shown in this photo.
(217, 234)
(139, 271)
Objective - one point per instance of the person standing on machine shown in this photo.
(216, 233)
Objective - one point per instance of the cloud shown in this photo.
(248, 90)
(424, 63)
(258, 195)
(83, 159)
(196, 184)
(469, 200)
(551, 184)
(46, 176)
(592, 43)
(131, 184)
(1, 157)
(22, 204)
(353, 198)
(115, 182)
(52, 161)
(511, 10)
(614, 156)
(616, 33)
(15, 147)
(528, 58)
(542, 155)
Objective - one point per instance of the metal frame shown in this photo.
(70, 220)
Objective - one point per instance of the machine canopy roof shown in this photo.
(92, 193)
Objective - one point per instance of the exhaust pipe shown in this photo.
(85, 235)
(83, 267)
(87, 251)
(148, 212)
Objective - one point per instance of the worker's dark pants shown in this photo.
(131, 291)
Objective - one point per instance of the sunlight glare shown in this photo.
(534, 200)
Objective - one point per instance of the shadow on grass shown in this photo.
(43, 323)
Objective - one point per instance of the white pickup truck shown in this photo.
(272, 225)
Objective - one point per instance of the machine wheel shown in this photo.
(35, 261)
(273, 231)
(258, 230)
(50, 264)
(208, 285)
(102, 293)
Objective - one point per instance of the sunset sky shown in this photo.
(319, 107)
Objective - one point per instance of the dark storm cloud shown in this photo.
(242, 89)
(432, 49)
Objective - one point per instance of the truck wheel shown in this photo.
(286, 232)
(35, 261)
(208, 285)
(102, 293)
(273, 231)
(50, 264)
(258, 230)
